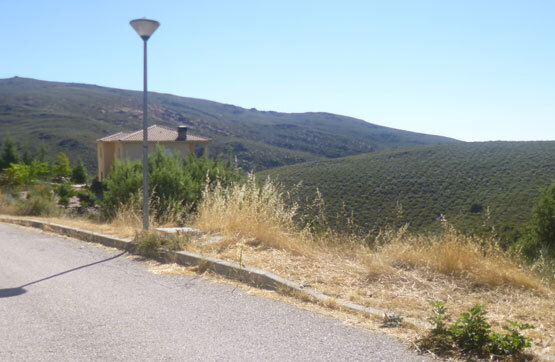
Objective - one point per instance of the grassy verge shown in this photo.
(400, 272)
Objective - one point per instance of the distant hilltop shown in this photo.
(69, 117)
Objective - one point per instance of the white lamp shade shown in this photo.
(144, 27)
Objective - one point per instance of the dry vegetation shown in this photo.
(401, 272)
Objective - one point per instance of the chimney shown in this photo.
(181, 133)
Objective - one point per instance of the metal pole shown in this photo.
(145, 146)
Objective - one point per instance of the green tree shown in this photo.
(42, 153)
(540, 234)
(64, 192)
(9, 153)
(26, 157)
(40, 170)
(175, 183)
(79, 173)
(61, 166)
(16, 175)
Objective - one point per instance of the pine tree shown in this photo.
(9, 153)
(79, 173)
(42, 153)
(26, 157)
(61, 166)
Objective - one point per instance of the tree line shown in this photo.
(22, 169)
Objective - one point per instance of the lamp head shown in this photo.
(144, 27)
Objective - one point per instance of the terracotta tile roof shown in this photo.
(155, 134)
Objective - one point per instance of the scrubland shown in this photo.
(394, 270)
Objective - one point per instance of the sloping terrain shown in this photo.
(472, 185)
(70, 117)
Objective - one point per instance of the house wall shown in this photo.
(108, 152)
(105, 155)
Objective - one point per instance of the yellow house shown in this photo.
(129, 145)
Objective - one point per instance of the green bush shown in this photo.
(61, 166)
(86, 198)
(123, 184)
(472, 334)
(175, 184)
(65, 191)
(9, 153)
(40, 170)
(17, 174)
(539, 236)
(79, 173)
(39, 202)
(98, 188)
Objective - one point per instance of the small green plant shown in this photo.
(149, 242)
(472, 334)
(471, 331)
(512, 342)
(391, 320)
(439, 318)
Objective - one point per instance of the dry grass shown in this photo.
(260, 216)
(454, 254)
(8, 205)
(400, 274)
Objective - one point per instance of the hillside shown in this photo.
(458, 180)
(70, 117)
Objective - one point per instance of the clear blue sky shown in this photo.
(472, 70)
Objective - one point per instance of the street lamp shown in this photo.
(145, 28)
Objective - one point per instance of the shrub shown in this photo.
(98, 188)
(79, 173)
(258, 213)
(539, 236)
(39, 170)
(149, 241)
(472, 334)
(9, 197)
(39, 202)
(175, 184)
(65, 191)
(17, 174)
(123, 184)
(9, 153)
(86, 198)
(476, 208)
(61, 166)
(38, 206)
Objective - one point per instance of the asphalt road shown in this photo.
(62, 299)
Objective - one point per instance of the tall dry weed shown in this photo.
(455, 254)
(261, 216)
(258, 214)
(129, 215)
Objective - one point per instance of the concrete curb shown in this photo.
(256, 277)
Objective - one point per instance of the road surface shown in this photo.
(62, 299)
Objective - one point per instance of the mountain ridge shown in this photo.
(71, 116)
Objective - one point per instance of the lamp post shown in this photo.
(145, 27)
